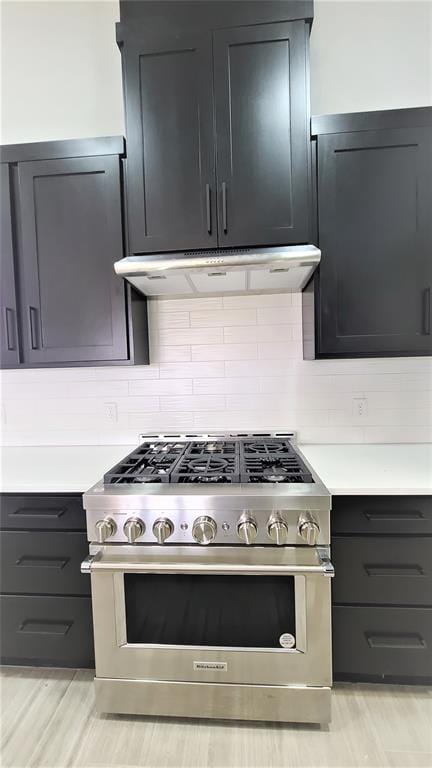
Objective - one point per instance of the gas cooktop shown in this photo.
(255, 459)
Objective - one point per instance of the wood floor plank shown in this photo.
(402, 716)
(59, 742)
(409, 759)
(47, 688)
(49, 721)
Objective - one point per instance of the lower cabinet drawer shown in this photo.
(377, 643)
(46, 631)
(382, 514)
(36, 562)
(47, 511)
(382, 569)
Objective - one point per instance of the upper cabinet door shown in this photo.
(9, 349)
(170, 143)
(375, 224)
(70, 234)
(262, 121)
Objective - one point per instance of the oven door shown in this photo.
(220, 614)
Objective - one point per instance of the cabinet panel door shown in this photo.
(170, 148)
(73, 305)
(262, 134)
(9, 349)
(375, 224)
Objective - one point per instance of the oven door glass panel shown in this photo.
(221, 611)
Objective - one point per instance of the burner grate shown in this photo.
(151, 462)
(211, 461)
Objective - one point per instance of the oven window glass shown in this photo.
(237, 611)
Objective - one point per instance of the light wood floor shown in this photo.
(48, 719)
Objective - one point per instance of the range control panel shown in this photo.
(278, 528)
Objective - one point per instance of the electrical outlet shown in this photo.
(360, 407)
(111, 411)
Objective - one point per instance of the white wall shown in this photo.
(224, 363)
(61, 72)
(372, 54)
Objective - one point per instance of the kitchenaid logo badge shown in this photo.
(214, 666)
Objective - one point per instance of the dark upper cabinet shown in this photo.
(9, 352)
(171, 164)
(262, 134)
(65, 211)
(217, 124)
(372, 295)
(71, 234)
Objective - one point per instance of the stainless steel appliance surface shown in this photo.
(222, 271)
(210, 565)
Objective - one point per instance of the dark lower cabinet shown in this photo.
(46, 631)
(62, 233)
(382, 643)
(372, 294)
(45, 603)
(382, 590)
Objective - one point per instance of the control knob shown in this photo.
(247, 529)
(133, 529)
(204, 530)
(309, 531)
(277, 530)
(162, 529)
(104, 529)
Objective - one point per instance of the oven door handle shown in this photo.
(95, 563)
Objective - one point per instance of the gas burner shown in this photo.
(275, 474)
(264, 447)
(207, 464)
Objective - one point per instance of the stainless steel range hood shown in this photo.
(226, 270)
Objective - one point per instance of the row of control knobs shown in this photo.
(204, 529)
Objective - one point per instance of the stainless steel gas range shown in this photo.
(210, 565)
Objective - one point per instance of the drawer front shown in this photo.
(382, 569)
(382, 514)
(43, 562)
(48, 511)
(47, 631)
(377, 642)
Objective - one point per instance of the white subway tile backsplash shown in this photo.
(225, 351)
(173, 320)
(223, 318)
(275, 350)
(160, 306)
(180, 354)
(22, 390)
(277, 315)
(256, 368)
(193, 370)
(225, 386)
(175, 336)
(231, 363)
(193, 403)
(258, 300)
(261, 333)
(170, 386)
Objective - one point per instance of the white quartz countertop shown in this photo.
(373, 469)
(62, 469)
(344, 469)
